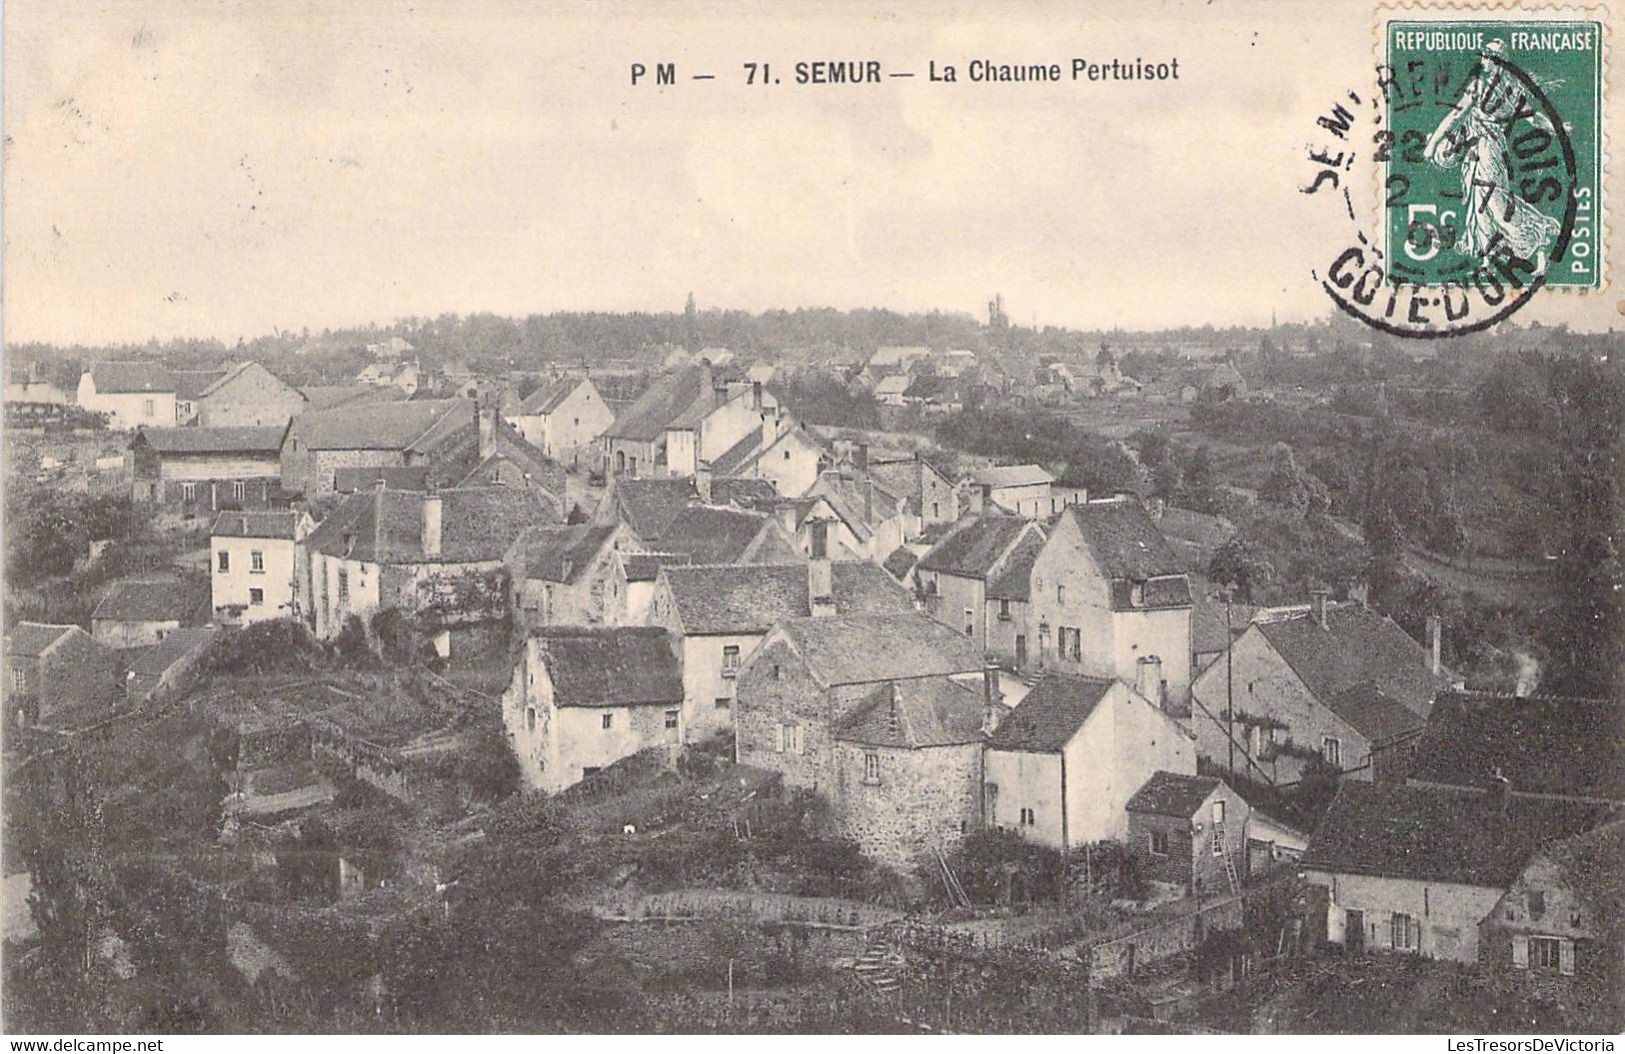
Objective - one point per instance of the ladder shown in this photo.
(956, 892)
(1224, 854)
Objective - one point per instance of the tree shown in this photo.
(1285, 484)
(1240, 564)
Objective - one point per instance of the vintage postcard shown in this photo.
(923, 519)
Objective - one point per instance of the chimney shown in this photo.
(974, 499)
(756, 395)
(1148, 679)
(992, 699)
(860, 459)
(431, 524)
(1434, 627)
(1500, 791)
(869, 501)
(488, 427)
(891, 717)
(702, 480)
(1317, 605)
(820, 572)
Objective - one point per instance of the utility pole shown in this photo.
(1229, 682)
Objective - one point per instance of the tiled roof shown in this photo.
(456, 459)
(649, 505)
(221, 379)
(563, 554)
(386, 526)
(128, 378)
(645, 567)
(675, 398)
(159, 600)
(1543, 744)
(1356, 645)
(179, 644)
(1051, 714)
(745, 493)
(1014, 580)
(546, 399)
(331, 396)
(736, 456)
(194, 384)
(900, 562)
(711, 535)
(30, 639)
(1123, 540)
(975, 549)
(348, 480)
(901, 477)
(750, 598)
(233, 439)
(861, 649)
(1013, 476)
(610, 666)
(1173, 591)
(381, 426)
(1440, 834)
(1208, 632)
(927, 712)
(1172, 794)
(850, 494)
(256, 525)
(1372, 714)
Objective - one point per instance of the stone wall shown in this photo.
(923, 799)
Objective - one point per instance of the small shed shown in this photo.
(1189, 831)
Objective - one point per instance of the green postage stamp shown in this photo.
(1494, 147)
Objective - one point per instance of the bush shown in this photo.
(275, 646)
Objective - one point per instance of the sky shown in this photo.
(219, 169)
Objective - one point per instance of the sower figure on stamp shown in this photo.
(1472, 138)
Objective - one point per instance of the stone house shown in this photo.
(54, 672)
(567, 573)
(490, 452)
(1009, 596)
(441, 556)
(648, 506)
(710, 534)
(892, 390)
(782, 452)
(845, 536)
(1560, 919)
(1061, 768)
(257, 566)
(908, 767)
(718, 615)
(564, 418)
(809, 673)
(1021, 489)
(401, 375)
(1417, 869)
(1326, 685)
(199, 471)
(880, 521)
(161, 671)
(367, 435)
(135, 612)
(1182, 828)
(958, 574)
(189, 388)
(584, 697)
(249, 395)
(632, 580)
(683, 419)
(1107, 591)
(927, 493)
(131, 394)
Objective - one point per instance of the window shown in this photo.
(778, 739)
(730, 661)
(256, 598)
(799, 742)
(871, 768)
(775, 671)
(1331, 750)
(607, 720)
(256, 562)
(19, 679)
(722, 702)
(787, 455)
(148, 408)
(238, 490)
(936, 510)
(223, 561)
(1060, 593)
(188, 491)
(671, 719)
(1404, 933)
(1545, 953)
(589, 770)
(1537, 903)
(530, 719)
(970, 622)
(344, 587)
(1159, 843)
(1028, 818)
(1004, 611)
(1218, 812)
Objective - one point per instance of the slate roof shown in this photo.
(1013, 476)
(901, 477)
(1123, 540)
(610, 665)
(862, 649)
(456, 458)
(230, 439)
(348, 480)
(159, 600)
(1439, 834)
(547, 398)
(915, 714)
(1015, 579)
(386, 526)
(1208, 632)
(1051, 714)
(154, 660)
(975, 549)
(1358, 645)
(395, 425)
(256, 525)
(1170, 592)
(711, 535)
(31, 639)
(850, 494)
(194, 384)
(645, 567)
(900, 562)
(649, 505)
(750, 598)
(552, 551)
(129, 378)
(1372, 714)
(1172, 794)
(330, 396)
(736, 456)
(1543, 744)
(675, 400)
(743, 492)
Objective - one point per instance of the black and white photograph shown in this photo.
(909, 519)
